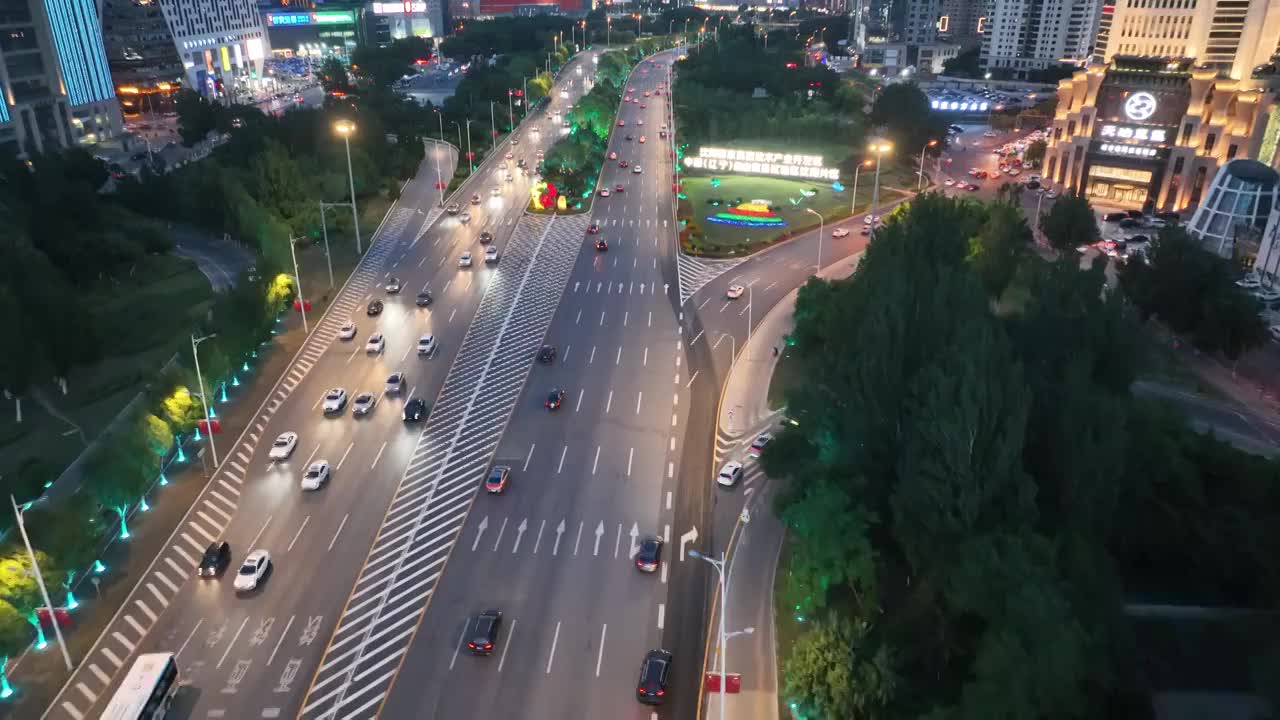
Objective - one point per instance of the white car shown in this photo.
(495, 192)
(426, 344)
(316, 476)
(491, 254)
(758, 445)
(734, 292)
(363, 404)
(394, 286)
(635, 170)
(395, 383)
(604, 192)
(347, 331)
(509, 156)
(840, 232)
(335, 400)
(375, 344)
(252, 570)
(949, 182)
(465, 259)
(730, 474)
(464, 218)
(869, 219)
(283, 447)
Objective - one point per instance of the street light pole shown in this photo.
(324, 227)
(723, 572)
(493, 129)
(853, 203)
(879, 149)
(345, 129)
(302, 303)
(44, 591)
(920, 180)
(470, 157)
(821, 222)
(208, 421)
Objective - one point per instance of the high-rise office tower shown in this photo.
(221, 43)
(1230, 36)
(960, 21)
(144, 64)
(1023, 36)
(55, 87)
(921, 25)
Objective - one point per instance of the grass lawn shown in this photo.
(786, 195)
(143, 320)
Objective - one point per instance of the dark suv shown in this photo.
(216, 559)
(482, 632)
(414, 410)
(654, 671)
(547, 354)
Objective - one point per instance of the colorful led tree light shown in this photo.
(748, 214)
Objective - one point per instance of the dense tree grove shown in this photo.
(574, 161)
(973, 492)
(901, 111)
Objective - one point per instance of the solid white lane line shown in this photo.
(529, 457)
(617, 360)
(593, 355)
(232, 644)
(188, 640)
(639, 397)
(510, 633)
(458, 647)
(578, 406)
(562, 454)
(554, 640)
(645, 362)
(379, 455)
(595, 463)
(344, 455)
(631, 454)
(298, 534)
(609, 403)
(691, 379)
(339, 532)
(668, 499)
(662, 615)
(254, 543)
(283, 635)
(600, 655)
(311, 456)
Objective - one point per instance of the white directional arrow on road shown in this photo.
(599, 532)
(484, 524)
(524, 525)
(635, 533)
(555, 549)
(685, 539)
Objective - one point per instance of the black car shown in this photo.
(654, 672)
(1135, 214)
(1169, 217)
(486, 238)
(423, 299)
(375, 308)
(628, 137)
(482, 632)
(547, 354)
(216, 559)
(1115, 217)
(1137, 239)
(1130, 223)
(555, 399)
(649, 556)
(414, 410)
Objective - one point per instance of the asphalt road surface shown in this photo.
(252, 655)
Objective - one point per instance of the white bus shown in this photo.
(147, 691)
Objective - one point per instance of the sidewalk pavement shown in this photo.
(754, 547)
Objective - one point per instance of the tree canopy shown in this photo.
(902, 111)
(972, 487)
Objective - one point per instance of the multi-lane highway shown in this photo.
(252, 655)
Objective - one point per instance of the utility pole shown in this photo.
(208, 419)
(44, 591)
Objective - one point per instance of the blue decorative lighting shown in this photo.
(77, 34)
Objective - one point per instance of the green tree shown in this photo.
(333, 76)
(156, 435)
(15, 637)
(1193, 291)
(118, 472)
(385, 65)
(831, 546)
(996, 251)
(835, 670)
(903, 110)
(1035, 152)
(197, 117)
(66, 531)
(1070, 223)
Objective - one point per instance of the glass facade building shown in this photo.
(1241, 196)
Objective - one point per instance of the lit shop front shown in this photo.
(1148, 133)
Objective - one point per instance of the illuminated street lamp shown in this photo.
(853, 203)
(821, 222)
(345, 128)
(302, 303)
(879, 148)
(724, 570)
(44, 592)
(208, 419)
(920, 181)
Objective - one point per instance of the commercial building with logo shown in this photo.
(221, 44)
(1149, 133)
(55, 84)
(336, 29)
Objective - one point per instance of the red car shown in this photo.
(623, 163)
(593, 229)
(618, 188)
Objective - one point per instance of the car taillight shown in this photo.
(471, 645)
(488, 646)
(640, 689)
(661, 692)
